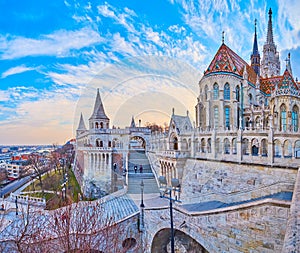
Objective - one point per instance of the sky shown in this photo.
(146, 57)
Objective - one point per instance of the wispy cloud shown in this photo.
(16, 70)
(59, 43)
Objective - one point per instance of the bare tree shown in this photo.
(38, 165)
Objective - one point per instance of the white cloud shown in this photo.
(59, 43)
(16, 70)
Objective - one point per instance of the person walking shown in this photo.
(141, 168)
(135, 169)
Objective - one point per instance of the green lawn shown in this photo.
(52, 181)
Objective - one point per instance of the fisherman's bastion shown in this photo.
(232, 176)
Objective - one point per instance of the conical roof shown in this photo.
(98, 112)
(81, 125)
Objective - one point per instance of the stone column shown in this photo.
(270, 146)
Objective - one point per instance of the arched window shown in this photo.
(297, 149)
(216, 117)
(277, 149)
(264, 147)
(237, 93)
(206, 92)
(202, 145)
(227, 117)
(209, 145)
(101, 144)
(234, 147)
(216, 91)
(97, 125)
(282, 118)
(226, 91)
(287, 149)
(295, 119)
(226, 146)
(101, 125)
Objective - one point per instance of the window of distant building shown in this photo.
(216, 91)
(283, 118)
(295, 118)
(226, 91)
(250, 98)
(216, 117)
(227, 117)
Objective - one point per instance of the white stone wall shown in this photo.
(231, 182)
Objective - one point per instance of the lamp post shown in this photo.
(16, 201)
(166, 192)
(142, 206)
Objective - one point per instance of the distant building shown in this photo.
(13, 171)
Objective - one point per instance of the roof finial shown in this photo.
(223, 37)
(255, 22)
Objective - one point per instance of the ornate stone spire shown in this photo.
(270, 29)
(255, 56)
(270, 65)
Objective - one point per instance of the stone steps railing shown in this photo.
(243, 194)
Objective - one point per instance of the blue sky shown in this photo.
(51, 52)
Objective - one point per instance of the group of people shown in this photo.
(135, 169)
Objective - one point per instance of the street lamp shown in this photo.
(164, 192)
(16, 201)
(142, 206)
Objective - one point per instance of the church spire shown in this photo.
(270, 64)
(270, 29)
(255, 57)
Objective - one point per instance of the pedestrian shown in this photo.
(135, 169)
(141, 169)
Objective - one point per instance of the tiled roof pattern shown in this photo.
(267, 85)
(182, 122)
(227, 60)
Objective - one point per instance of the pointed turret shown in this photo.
(270, 65)
(81, 125)
(98, 112)
(255, 57)
(132, 124)
(98, 118)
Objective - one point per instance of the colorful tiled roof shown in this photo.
(267, 85)
(226, 60)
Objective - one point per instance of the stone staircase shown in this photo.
(139, 158)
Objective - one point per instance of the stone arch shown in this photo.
(226, 146)
(184, 144)
(245, 146)
(173, 142)
(254, 147)
(208, 148)
(287, 149)
(203, 145)
(218, 146)
(137, 142)
(277, 148)
(234, 146)
(183, 242)
(264, 147)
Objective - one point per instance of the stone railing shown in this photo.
(27, 200)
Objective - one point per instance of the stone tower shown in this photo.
(270, 65)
